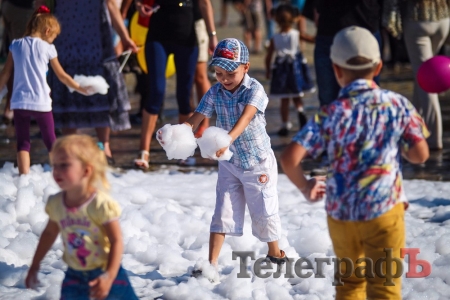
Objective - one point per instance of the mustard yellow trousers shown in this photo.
(367, 240)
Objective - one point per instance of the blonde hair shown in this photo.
(39, 22)
(85, 149)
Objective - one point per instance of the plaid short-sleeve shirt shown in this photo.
(363, 132)
(253, 145)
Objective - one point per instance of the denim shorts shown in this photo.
(76, 285)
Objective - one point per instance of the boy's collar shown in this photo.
(247, 81)
(357, 85)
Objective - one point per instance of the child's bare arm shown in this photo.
(195, 120)
(46, 241)
(291, 158)
(269, 55)
(245, 119)
(7, 71)
(304, 36)
(101, 286)
(66, 78)
(418, 153)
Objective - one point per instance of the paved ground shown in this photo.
(125, 144)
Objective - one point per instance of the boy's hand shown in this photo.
(101, 286)
(160, 133)
(315, 189)
(221, 151)
(31, 281)
(267, 74)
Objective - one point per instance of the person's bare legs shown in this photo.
(147, 129)
(224, 14)
(183, 118)
(274, 250)
(202, 85)
(257, 42)
(215, 245)
(284, 110)
(298, 102)
(103, 134)
(23, 162)
(8, 113)
(302, 120)
(248, 39)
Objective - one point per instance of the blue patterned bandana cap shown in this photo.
(230, 54)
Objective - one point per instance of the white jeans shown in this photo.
(423, 40)
(256, 187)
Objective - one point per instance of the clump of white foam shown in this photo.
(177, 140)
(97, 84)
(165, 223)
(212, 140)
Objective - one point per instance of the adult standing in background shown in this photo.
(425, 27)
(201, 81)
(16, 14)
(171, 31)
(85, 47)
(332, 17)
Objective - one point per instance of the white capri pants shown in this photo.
(256, 187)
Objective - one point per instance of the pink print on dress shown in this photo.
(77, 242)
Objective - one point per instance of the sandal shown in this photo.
(142, 163)
(278, 260)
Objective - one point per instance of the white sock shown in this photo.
(287, 125)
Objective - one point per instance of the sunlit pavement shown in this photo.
(125, 144)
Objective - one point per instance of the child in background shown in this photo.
(289, 78)
(29, 58)
(364, 132)
(88, 220)
(250, 176)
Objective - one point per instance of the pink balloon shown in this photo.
(433, 75)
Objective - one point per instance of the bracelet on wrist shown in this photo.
(213, 33)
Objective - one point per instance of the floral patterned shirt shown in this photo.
(363, 132)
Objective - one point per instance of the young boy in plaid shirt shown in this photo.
(250, 176)
(364, 132)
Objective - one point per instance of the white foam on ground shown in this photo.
(165, 225)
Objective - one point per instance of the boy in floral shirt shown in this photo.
(364, 132)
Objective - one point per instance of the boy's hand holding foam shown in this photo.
(214, 144)
(177, 140)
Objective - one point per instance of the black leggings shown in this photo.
(156, 54)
